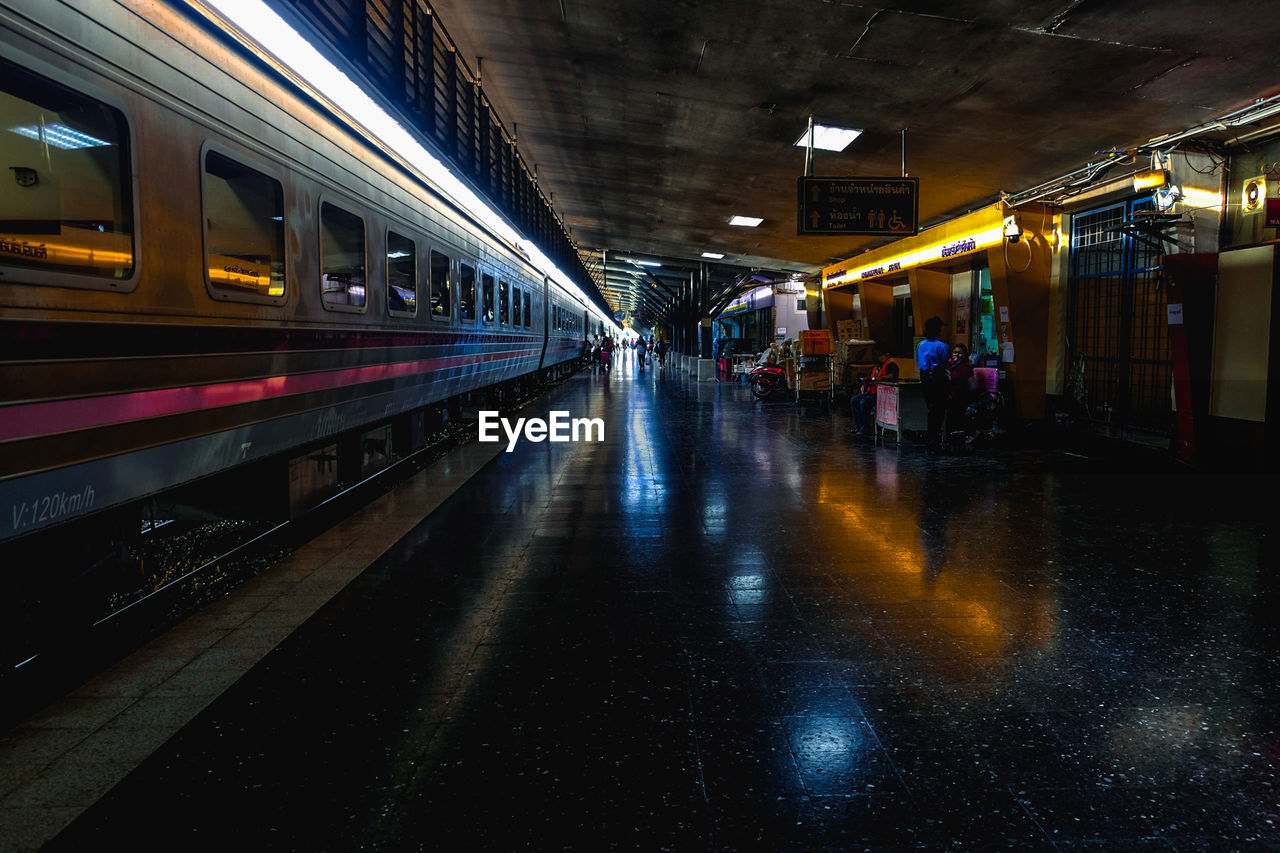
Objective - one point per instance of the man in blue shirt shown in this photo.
(931, 359)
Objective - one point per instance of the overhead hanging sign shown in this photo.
(878, 207)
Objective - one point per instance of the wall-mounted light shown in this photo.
(1150, 180)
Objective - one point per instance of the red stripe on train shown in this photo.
(32, 419)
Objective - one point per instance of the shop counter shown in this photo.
(900, 407)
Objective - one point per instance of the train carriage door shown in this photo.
(544, 314)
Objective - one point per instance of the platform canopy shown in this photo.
(656, 122)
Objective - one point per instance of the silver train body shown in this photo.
(201, 267)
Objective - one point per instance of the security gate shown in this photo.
(1117, 325)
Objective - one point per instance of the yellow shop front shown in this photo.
(992, 276)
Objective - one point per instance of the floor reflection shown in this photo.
(729, 628)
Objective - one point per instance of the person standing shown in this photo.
(931, 359)
(661, 349)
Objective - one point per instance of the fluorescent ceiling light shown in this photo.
(829, 138)
(649, 263)
(716, 255)
(60, 136)
(393, 255)
(748, 221)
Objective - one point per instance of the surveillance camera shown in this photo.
(1012, 230)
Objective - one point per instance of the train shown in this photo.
(207, 268)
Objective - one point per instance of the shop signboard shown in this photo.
(880, 207)
(760, 297)
(1273, 213)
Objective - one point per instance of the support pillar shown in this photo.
(704, 313)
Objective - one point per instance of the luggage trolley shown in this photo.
(815, 370)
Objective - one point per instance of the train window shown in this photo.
(402, 274)
(466, 292)
(244, 228)
(486, 282)
(504, 303)
(70, 206)
(341, 257)
(528, 312)
(441, 308)
(515, 306)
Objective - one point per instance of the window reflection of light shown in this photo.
(60, 136)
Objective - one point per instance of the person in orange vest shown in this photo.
(863, 403)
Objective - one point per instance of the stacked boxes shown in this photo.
(848, 330)
(854, 360)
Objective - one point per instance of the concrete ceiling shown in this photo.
(653, 121)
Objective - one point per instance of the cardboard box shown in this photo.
(815, 382)
(848, 330)
(860, 352)
(815, 342)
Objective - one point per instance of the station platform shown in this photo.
(725, 627)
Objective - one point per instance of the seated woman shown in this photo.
(960, 394)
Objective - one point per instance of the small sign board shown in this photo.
(881, 207)
(887, 405)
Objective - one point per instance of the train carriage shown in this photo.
(203, 266)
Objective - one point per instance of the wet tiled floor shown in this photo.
(727, 627)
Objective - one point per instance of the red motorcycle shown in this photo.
(766, 379)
